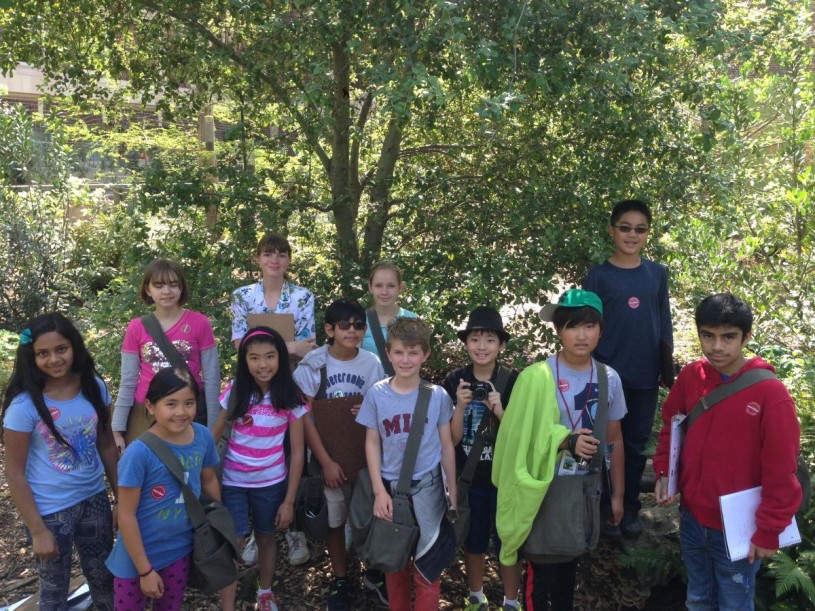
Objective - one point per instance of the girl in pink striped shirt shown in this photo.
(265, 404)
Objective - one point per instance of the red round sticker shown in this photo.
(158, 492)
(633, 303)
(753, 408)
(563, 385)
(185, 328)
(248, 420)
(55, 413)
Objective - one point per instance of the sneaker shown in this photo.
(298, 548)
(609, 530)
(267, 602)
(506, 607)
(631, 526)
(473, 604)
(340, 597)
(374, 581)
(250, 551)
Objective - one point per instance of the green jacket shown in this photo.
(525, 456)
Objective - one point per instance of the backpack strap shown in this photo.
(722, 392)
(379, 340)
(501, 378)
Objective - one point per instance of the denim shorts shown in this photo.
(263, 503)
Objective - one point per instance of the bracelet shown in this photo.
(572, 445)
(143, 575)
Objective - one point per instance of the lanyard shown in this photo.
(574, 423)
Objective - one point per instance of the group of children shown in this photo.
(527, 429)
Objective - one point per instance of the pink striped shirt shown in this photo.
(254, 457)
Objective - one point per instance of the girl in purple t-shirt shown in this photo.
(164, 286)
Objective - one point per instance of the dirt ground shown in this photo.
(602, 585)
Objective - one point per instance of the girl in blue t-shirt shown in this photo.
(151, 558)
(58, 446)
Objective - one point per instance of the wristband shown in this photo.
(572, 445)
(143, 575)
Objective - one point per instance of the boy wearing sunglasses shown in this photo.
(637, 341)
(349, 371)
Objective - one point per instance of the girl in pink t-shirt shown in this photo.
(164, 285)
(264, 403)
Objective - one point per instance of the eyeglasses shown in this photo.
(344, 325)
(639, 229)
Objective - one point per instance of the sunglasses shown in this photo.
(344, 325)
(639, 229)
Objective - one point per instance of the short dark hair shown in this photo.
(629, 205)
(409, 331)
(724, 309)
(273, 242)
(565, 318)
(343, 308)
(162, 270)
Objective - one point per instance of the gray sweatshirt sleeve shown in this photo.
(127, 391)
(211, 372)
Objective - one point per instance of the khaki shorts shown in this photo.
(337, 500)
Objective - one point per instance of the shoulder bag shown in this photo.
(214, 553)
(568, 522)
(379, 340)
(153, 327)
(465, 480)
(384, 545)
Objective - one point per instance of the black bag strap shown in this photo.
(414, 438)
(601, 418)
(720, 393)
(170, 460)
(153, 327)
(322, 390)
(379, 340)
(466, 477)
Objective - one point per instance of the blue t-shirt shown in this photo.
(60, 476)
(166, 529)
(368, 342)
(636, 317)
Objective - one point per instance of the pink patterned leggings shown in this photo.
(129, 597)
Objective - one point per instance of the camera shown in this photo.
(480, 390)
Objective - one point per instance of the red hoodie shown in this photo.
(749, 439)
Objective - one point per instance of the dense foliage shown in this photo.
(479, 144)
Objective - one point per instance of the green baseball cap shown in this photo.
(573, 298)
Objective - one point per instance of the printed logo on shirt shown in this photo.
(346, 378)
(397, 425)
(158, 492)
(55, 413)
(753, 408)
(633, 303)
(563, 385)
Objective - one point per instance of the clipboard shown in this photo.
(342, 436)
(282, 323)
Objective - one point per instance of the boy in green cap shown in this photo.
(548, 428)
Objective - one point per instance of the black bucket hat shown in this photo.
(486, 318)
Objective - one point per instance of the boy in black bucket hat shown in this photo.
(480, 391)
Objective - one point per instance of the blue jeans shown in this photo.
(88, 526)
(714, 581)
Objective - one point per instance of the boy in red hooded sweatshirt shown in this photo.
(746, 440)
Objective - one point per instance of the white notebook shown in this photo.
(739, 519)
